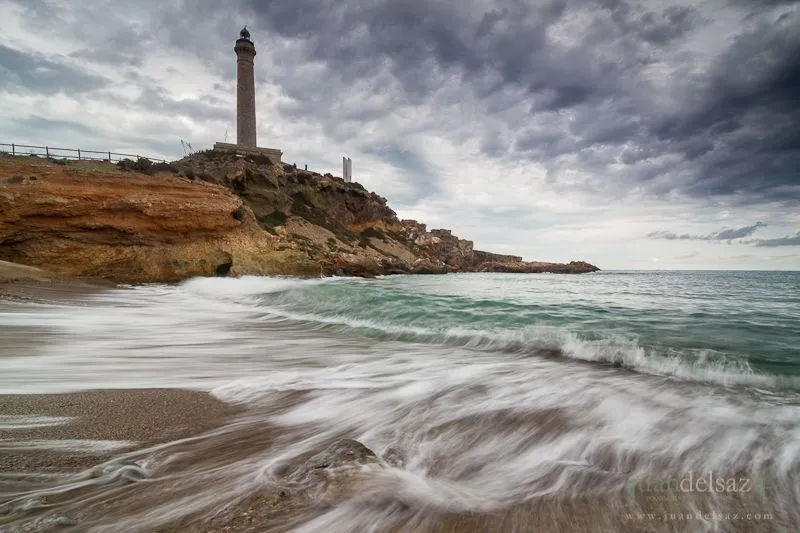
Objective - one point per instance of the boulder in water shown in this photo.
(341, 455)
(331, 475)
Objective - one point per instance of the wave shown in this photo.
(553, 342)
(250, 286)
(396, 316)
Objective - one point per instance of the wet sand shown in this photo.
(15, 271)
(137, 417)
(44, 290)
(229, 435)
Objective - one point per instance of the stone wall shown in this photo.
(273, 154)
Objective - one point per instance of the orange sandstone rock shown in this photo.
(89, 219)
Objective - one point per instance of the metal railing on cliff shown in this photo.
(71, 153)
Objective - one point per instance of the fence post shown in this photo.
(79, 154)
(47, 152)
(13, 149)
(109, 157)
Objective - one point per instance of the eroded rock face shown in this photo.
(358, 234)
(95, 220)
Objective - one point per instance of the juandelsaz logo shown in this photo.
(693, 483)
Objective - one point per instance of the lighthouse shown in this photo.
(245, 90)
(246, 142)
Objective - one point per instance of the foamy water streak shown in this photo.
(481, 390)
(65, 445)
(31, 422)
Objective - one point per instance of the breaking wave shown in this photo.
(365, 307)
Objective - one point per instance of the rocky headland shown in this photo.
(216, 213)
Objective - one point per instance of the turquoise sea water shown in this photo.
(730, 327)
(708, 326)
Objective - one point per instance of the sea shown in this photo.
(610, 401)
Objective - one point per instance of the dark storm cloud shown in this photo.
(751, 111)
(125, 47)
(764, 3)
(673, 23)
(155, 146)
(41, 124)
(738, 233)
(418, 172)
(723, 235)
(621, 94)
(21, 72)
(732, 130)
(44, 131)
(40, 9)
(156, 99)
(494, 144)
(792, 240)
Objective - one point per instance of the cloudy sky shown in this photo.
(633, 135)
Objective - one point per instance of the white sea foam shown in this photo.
(615, 349)
(31, 421)
(65, 445)
(228, 316)
(248, 286)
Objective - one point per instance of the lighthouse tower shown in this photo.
(245, 91)
(246, 103)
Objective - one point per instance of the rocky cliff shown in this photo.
(345, 228)
(218, 213)
(97, 220)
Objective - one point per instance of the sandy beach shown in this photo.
(33, 290)
(51, 438)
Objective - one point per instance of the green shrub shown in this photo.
(143, 165)
(274, 219)
(164, 167)
(299, 205)
(373, 232)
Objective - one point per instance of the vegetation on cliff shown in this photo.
(218, 213)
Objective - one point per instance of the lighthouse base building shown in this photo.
(273, 153)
